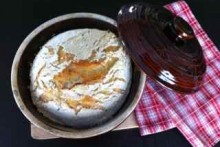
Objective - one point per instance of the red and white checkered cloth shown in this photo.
(197, 115)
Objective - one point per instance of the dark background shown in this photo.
(19, 17)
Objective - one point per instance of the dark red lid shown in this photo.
(163, 46)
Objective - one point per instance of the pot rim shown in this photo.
(94, 131)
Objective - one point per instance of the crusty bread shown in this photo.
(81, 77)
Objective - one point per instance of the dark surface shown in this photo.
(19, 18)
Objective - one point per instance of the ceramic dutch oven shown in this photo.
(160, 44)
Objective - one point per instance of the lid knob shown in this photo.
(178, 30)
(183, 29)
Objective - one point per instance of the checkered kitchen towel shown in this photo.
(197, 116)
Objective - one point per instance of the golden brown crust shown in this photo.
(83, 72)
